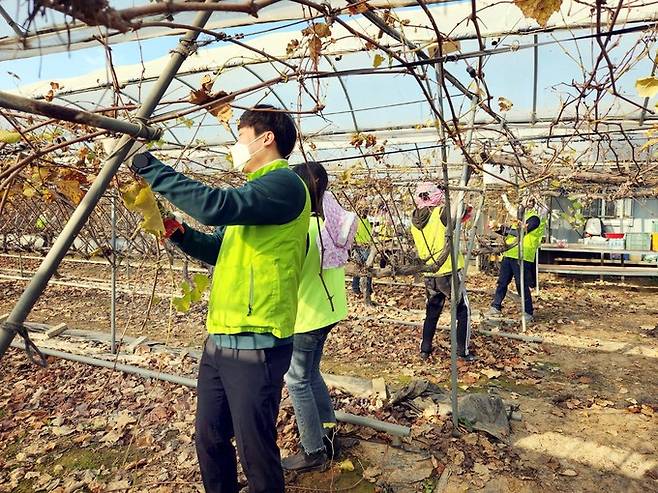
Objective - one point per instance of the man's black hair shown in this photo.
(262, 119)
(316, 179)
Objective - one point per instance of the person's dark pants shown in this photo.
(509, 268)
(238, 395)
(438, 289)
(361, 258)
(356, 285)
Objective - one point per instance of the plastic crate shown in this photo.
(616, 243)
(638, 241)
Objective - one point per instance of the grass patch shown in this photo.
(404, 380)
(335, 480)
(512, 386)
(547, 366)
(335, 367)
(24, 486)
(12, 449)
(88, 458)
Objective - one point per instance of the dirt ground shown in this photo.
(588, 394)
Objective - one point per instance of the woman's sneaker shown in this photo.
(303, 462)
(493, 312)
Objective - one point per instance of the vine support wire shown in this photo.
(113, 301)
(79, 217)
(521, 236)
(535, 77)
(481, 197)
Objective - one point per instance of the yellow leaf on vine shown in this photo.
(138, 197)
(70, 189)
(321, 30)
(504, 104)
(223, 113)
(647, 87)
(315, 48)
(9, 137)
(378, 60)
(39, 175)
(539, 10)
(648, 144)
(29, 191)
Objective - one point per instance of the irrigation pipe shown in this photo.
(509, 335)
(390, 428)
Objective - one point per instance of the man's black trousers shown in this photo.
(509, 269)
(238, 395)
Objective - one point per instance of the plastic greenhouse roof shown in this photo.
(52, 34)
(387, 103)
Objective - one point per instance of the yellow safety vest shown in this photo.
(430, 241)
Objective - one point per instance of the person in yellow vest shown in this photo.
(258, 251)
(383, 229)
(362, 241)
(428, 231)
(510, 266)
(322, 304)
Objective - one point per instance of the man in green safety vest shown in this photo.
(510, 267)
(258, 251)
(428, 231)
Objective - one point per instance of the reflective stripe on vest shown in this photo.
(430, 241)
(531, 241)
(258, 273)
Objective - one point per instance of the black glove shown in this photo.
(139, 161)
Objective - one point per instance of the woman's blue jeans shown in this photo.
(308, 392)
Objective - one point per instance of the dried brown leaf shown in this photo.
(539, 10)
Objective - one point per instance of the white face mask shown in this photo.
(241, 155)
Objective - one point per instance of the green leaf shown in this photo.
(9, 137)
(182, 304)
(649, 143)
(185, 121)
(201, 282)
(195, 296)
(191, 294)
(155, 144)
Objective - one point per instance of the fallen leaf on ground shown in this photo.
(371, 473)
(489, 373)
